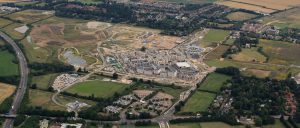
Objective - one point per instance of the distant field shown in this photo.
(43, 99)
(277, 72)
(10, 30)
(30, 16)
(258, 73)
(289, 18)
(98, 88)
(188, 1)
(87, 1)
(6, 1)
(6, 90)
(249, 55)
(281, 52)
(204, 125)
(4, 22)
(265, 6)
(229, 42)
(213, 37)
(7, 67)
(217, 53)
(214, 82)
(240, 16)
(44, 81)
(246, 6)
(199, 102)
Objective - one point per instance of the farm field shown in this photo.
(289, 18)
(30, 16)
(265, 6)
(213, 82)
(218, 52)
(249, 55)
(6, 90)
(43, 99)
(43, 81)
(188, 1)
(5, 1)
(198, 102)
(240, 16)
(246, 6)
(281, 52)
(204, 125)
(87, 1)
(133, 126)
(7, 67)
(10, 30)
(229, 41)
(4, 22)
(213, 37)
(97, 88)
(277, 72)
(257, 72)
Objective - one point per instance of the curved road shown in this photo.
(23, 81)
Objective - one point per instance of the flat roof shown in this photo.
(183, 64)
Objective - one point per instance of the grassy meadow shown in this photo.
(213, 37)
(213, 82)
(240, 16)
(198, 102)
(102, 89)
(249, 55)
(281, 52)
(7, 66)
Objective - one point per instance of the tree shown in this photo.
(258, 121)
(34, 86)
(143, 49)
(115, 76)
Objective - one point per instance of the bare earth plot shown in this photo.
(6, 90)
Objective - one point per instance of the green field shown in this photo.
(43, 99)
(277, 124)
(10, 30)
(214, 82)
(281, 52)
(132, 126)
(39, 54)
(213, 37)
(204, 125)
(4, 22)
(240, 16)
(230, 41)
(7, 67)
(98, 88)
(199, 102)
(43, 81)
(249, 55)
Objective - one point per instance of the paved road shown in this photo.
(23, 81)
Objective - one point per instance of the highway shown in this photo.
(23, 80)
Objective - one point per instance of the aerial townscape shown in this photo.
(150, 63)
